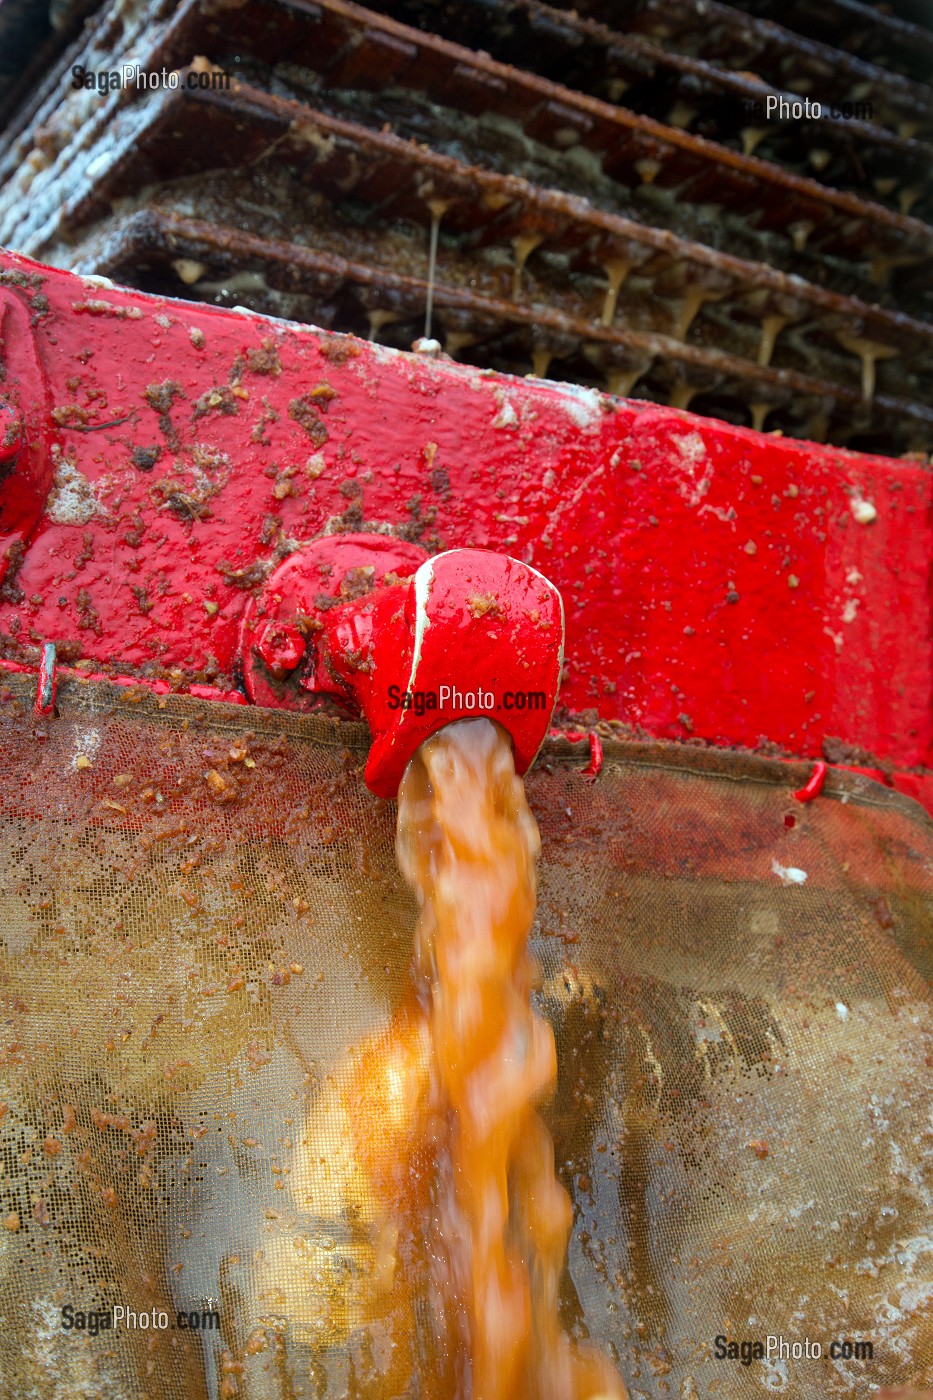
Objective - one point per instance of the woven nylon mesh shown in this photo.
(204, 932)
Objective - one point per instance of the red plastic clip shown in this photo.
(575, 736)
(45, 690)
(596, 756)
(815, 785)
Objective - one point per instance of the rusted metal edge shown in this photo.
(886, 28)
(55, 48)
(452, 179)
(741, 85)
(53, 84)
(803, 52)
(189, 18)
(730, 161)
(436, 63)
(197, 237)
(705, 81)
(848, 14)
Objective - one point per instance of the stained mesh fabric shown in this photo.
(205, 939)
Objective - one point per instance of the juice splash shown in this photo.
(500, 1220)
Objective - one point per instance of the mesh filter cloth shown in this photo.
(205, 937)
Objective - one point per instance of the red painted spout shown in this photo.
(475, 634)
(467, 633)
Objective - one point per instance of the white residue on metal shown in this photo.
(86, 745)
(563, 626)
(913, 1173)
(423, 580)
(863, 510)
(775, 1375)
(724, 513)
(95, 139)
(796, 1212)
(56, 1366)
(788, 874)
(911, 1295)
(694, 483)
(93, 279)
(584, 406)
(73, 120)
(506, 417)
(915, 1296)
(567, 503)
(850, 610)
(97, 165)
(916, 1252)
(875, 1111)
(72, 500)
(691, 447)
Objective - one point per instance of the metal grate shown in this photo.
(610, 206)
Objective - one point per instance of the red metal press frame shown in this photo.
(163, 458)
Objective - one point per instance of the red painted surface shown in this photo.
(26, 467)
(717, 582)
(290, 633)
